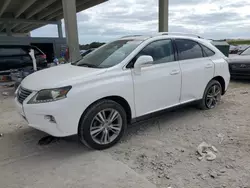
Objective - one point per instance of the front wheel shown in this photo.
(103, 125)
(212, 95)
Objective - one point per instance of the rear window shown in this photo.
(188, 49)
(36, 51)
(207, 51)
(4, 51)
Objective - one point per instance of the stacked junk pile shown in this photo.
(17, 75)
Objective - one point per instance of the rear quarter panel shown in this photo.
(222, 69)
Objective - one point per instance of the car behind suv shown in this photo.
(17, 56)
(122, 82)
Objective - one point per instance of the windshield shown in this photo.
(246, 52)
(109, 55)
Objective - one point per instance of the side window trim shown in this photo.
(178, 56)
(131, 63)
(205, 54)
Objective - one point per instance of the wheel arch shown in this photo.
(120, 100)
(222, 82)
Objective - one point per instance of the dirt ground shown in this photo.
(163, 150)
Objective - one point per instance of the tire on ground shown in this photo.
(86, 120)
(202, 104)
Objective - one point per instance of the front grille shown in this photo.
(240, 65)
(22, 94)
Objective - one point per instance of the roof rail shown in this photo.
(179, 33)
(131, 36)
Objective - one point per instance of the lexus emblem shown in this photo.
(242, 65)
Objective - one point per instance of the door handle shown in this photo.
(175, 72)
(209, 65)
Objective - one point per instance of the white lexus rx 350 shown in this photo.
(122, 82)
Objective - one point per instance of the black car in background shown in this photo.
(17, 56)
(239, 64)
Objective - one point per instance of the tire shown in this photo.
(92, 126)
(209, 95)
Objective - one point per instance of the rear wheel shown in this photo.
(103, 125)
(212, 95)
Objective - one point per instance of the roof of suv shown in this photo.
(165, 35)
(171, 35)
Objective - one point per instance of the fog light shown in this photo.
(50, 118)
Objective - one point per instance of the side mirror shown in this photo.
(143, 61)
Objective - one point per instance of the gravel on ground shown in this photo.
(162, 149)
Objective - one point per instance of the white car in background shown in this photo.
(120, 83)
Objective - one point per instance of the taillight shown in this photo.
(43, 56)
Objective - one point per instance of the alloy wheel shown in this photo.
(106, 126)
(213, 96)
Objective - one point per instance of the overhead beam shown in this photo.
(5, 5)
(54, 15)
(81, 7)
(50, 10)
(24, 27)
(4, 20)
(24, 7)
(39, 8)
(31, 28)
(163, 15)
(57, 6)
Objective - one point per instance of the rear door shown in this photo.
(197, 69)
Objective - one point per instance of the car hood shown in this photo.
(59, 76)
(239, 58)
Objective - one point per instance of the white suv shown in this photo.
(97, 96)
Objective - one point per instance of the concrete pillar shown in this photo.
(59, 28)
(8, 29)
(69, 12)
(163, 15)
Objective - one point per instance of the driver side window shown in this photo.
(161, 51)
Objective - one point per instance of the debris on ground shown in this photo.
(19, 126)
(244, 92)
(1, 134)
(5, 93)
(210, 156)
(213, 174)
(221, 137)
(8, 85)
(206, 151)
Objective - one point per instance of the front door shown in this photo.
(157, 86)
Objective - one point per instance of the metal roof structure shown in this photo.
(23, 16)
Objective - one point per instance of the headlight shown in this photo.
(17, 90)
(50, 95)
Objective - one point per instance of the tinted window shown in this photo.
(188, 49)
(161, 51)
(246, 52)
(11, 51)
(207, 51)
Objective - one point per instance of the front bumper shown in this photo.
(35, 114)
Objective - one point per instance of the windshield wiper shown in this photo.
(87, 65)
